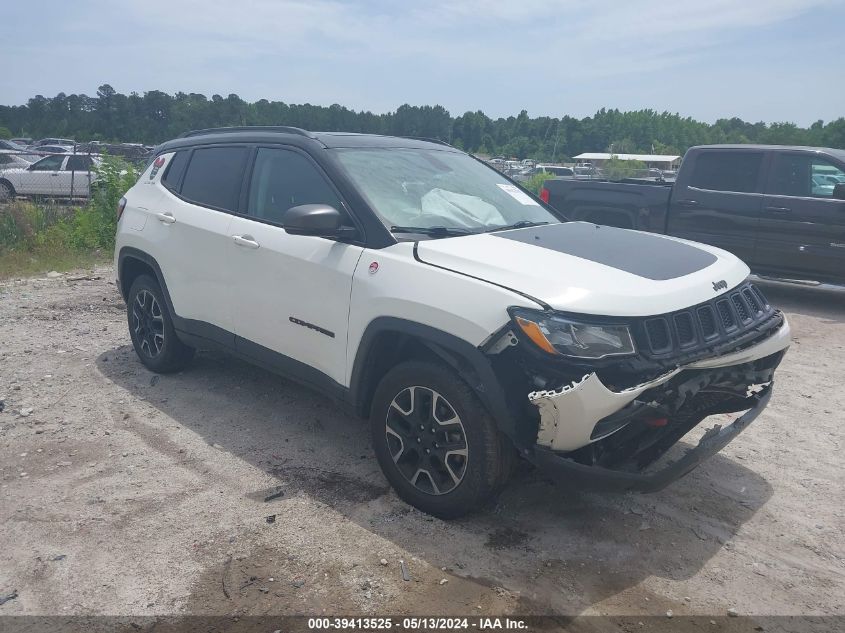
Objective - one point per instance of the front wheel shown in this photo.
(435, 442)
(7, 191)
(151, 329)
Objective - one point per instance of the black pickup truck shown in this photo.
(780, 209)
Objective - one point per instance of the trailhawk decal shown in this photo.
(311, 326)
(642, 254)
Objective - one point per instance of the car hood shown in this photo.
(591, 269)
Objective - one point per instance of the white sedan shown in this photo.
(62, 175)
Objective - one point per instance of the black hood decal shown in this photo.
(642, 254)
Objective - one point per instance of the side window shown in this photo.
(5, 159)
(175, 169)
(49, 163)
(283, 179)
(734, 171)
(78, 163)
(214, 176)
(804, 176)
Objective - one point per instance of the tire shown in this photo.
(7, 191)
(435, 442)
(151, 328)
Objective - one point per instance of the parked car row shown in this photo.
(32, 150)
(57, 167)
(524, 170)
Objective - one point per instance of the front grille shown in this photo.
(685, 329)
(741, 310)
(707, 321)
(713, 322)
(658, 335)
(726, 315)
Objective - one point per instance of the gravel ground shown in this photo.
(127, 493)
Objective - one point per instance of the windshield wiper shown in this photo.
(434, 231)
(522, 224)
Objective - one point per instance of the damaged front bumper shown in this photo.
(586, 426)
(569, 416)
(591, 477)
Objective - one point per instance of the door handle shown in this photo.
(778, 209)
(688, 203)
(166, 218)
(246, 241)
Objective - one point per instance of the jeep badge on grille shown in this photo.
(720, 285)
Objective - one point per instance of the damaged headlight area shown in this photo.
(560, 335)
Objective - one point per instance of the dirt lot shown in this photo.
(128, 493)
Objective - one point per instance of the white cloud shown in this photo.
(634, 35)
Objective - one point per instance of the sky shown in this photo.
(760, 60)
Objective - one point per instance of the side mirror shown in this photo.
(839, 191)
(320, 220)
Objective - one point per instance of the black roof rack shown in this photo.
(284, 129)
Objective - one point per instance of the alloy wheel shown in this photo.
(426, 440)
(148, 323)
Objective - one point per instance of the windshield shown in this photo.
(429, 189)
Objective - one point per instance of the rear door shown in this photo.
(718, 199)
(77, 175)
(189, 228)
(292, 291)
(802, 229)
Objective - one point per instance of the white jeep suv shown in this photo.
(465, 318)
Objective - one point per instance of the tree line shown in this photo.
(156, 116)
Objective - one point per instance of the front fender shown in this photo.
(467, 360)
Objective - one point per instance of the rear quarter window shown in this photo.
(727, 171)
(173, 174)
(78, 163)
(213, 177)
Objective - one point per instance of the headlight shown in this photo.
(560, 335)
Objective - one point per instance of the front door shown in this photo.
(292, 291)
(42, 177)
(802, 226)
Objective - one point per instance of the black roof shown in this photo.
(300, 137)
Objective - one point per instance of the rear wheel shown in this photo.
(151, 329)
(435, 442)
